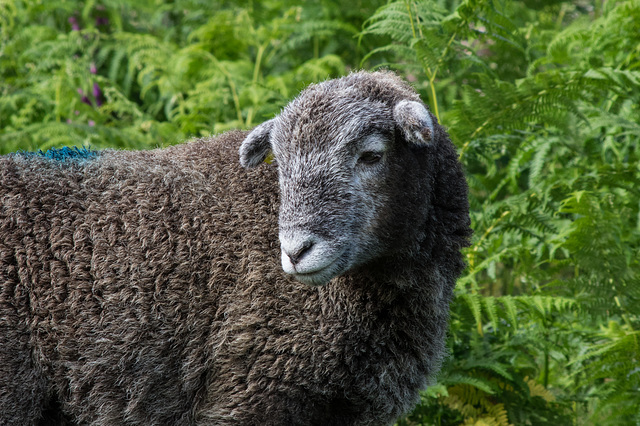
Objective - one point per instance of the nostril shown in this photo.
(296, 254)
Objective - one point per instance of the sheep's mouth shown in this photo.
(315, 278)
(320, 277)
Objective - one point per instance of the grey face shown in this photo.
(338, 163)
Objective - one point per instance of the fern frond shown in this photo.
(393, 20)
(8, 13)
(536, 389)
(460, 381)
(308, 30)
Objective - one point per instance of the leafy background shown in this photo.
(541, 98)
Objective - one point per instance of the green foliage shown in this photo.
(152, 73)
(541, 97)
(618, 399)
(543, 105)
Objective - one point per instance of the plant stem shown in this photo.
(484, 236)
(256, 76)
(431, 75)
(545, 378)
(413, 28)
(58, 95)
(258, 64)
(434, 99)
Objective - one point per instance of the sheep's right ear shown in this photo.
(415, 121)
(257, 145)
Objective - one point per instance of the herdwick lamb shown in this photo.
(175, 287)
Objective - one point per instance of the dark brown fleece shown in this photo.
(146, 288)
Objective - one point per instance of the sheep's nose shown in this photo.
(295, 250)
(308, 257)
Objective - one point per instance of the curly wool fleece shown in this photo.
(147, 287)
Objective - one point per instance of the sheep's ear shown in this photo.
(414, 120)
(257, 145)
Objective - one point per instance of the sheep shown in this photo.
(201, 284)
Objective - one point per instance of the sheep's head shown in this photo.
(353, 166)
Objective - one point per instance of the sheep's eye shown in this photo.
(370, 157)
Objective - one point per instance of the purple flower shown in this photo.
(92, 123)
(101, 20)
(93, 68)
(74, 23)
(97, 93)
(84, 99)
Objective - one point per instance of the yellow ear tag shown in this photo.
(269, 158)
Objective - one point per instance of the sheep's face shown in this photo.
(347, 167)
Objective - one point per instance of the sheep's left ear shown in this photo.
(414, 120)
(257, 145)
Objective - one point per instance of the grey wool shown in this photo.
(200, 285)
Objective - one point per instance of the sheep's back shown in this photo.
(118, 262)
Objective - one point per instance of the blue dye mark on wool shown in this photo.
(64, 154)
